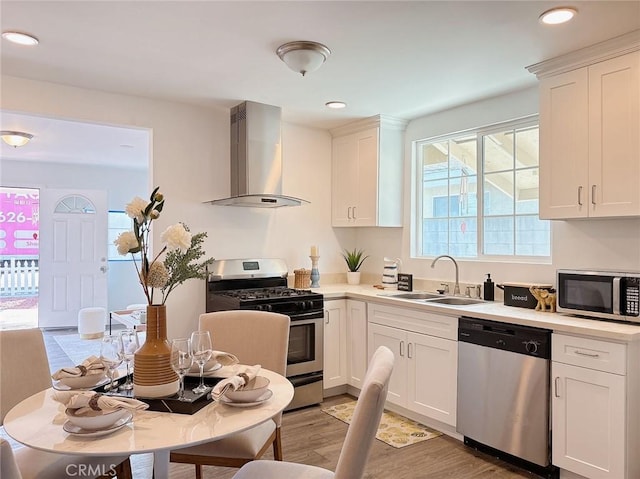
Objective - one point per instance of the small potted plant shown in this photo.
(354, 260)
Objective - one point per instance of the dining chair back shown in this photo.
(25, 367)
(25, 372)
(8, 465)
(254, 337)
(359, 438)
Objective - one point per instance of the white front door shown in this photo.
(73, 255)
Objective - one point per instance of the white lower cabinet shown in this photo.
(592, 409)
(335, 343)
(424, 378)
(356, 342)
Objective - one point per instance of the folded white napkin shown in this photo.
(226, 359)
(85, 401)
(232, 383)
(90, 366)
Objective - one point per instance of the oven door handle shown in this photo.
(296, 317)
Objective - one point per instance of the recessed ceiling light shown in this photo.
(558, 15)
(336, 105)
(20, 38)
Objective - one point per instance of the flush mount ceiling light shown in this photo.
(15, 138)
(20, 38)
(336, 105)
(558, 15)
(303, 56)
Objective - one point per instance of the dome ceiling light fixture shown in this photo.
(336, 105)
(558, 15)
(20, 38)
(303, 56)
(15, 138)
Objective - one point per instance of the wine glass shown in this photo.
(130, 345)
(202, 350)
(181, 360)
(111, 356)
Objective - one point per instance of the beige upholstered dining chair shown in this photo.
(255, 337)
(25, 372)
(360, 435)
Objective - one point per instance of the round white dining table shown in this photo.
(37, 422)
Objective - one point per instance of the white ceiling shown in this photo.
(403, 59)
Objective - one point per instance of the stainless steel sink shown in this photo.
(416, 295)
(455, 301)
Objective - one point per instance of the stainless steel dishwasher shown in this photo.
(503, 392)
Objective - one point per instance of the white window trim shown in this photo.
(417, 196)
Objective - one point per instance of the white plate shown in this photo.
(207, 372)
(264, 398)
(78, 431)
(63, 387)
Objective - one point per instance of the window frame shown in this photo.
(110, 245)
(418, 198)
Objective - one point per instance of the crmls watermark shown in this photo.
(91, 470)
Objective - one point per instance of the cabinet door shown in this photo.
(564, 145)
(344, 181)
(365, 212)
(588, 410)
(335, 344)
(396, 341)
(356, 342)
(433, 376)
(614, 136)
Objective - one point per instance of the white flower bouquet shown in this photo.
(183, 250)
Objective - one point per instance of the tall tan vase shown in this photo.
(153, 376)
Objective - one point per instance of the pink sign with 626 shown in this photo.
(19, 221)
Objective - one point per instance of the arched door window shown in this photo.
(75, 204)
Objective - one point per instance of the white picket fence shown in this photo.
(19, 277)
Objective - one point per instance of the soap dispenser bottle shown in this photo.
(488, 288)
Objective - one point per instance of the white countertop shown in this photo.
(495, 311)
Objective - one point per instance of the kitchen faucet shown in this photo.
(456, 288)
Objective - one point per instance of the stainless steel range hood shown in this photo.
(256, 158)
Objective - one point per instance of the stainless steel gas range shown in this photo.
(261, 284)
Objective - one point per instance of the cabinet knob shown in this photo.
(593, 195)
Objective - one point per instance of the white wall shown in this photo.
(190, 152)
(581, 244)
(121, 186)
(190, 162)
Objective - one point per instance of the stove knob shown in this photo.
(309, 304)
(531, 347)
(268, 307)
(260, 307)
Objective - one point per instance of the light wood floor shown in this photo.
(313, 437)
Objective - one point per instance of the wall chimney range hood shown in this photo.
(256, 158)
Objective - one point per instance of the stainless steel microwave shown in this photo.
(599, 294)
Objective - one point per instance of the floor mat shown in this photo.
(78, 349)
(395, 430)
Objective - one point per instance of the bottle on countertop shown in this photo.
(488, 288)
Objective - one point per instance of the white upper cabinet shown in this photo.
(367, 166)
(590, 132)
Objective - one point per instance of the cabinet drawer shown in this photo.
(589, 353)
(432, 324)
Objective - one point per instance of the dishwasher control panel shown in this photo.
(506, 336)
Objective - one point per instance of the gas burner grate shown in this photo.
(265, 293)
